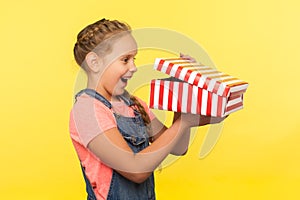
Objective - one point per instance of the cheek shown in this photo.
(110, 79)
(110, 74)
(113, 74)
(117, 70)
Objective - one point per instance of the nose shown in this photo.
(133, 68)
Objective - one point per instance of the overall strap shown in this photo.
(99, 97)
(96, 95)
(127, 101)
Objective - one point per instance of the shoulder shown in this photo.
(88, 108)
(88, 105)
(90, 117)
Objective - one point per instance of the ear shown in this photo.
(93, 62)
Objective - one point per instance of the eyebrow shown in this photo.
(129, 54)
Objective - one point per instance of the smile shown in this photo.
(125, 79)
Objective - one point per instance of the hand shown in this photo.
(187, 57)
(192, 120)
(176, 116)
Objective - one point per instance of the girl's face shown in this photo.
(119, 67)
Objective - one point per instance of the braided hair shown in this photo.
(93, 37)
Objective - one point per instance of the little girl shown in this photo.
(111, 129)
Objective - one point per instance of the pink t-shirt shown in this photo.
(89, 118)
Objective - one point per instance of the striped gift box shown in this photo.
(195, 88)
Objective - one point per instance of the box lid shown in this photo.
(201, 76)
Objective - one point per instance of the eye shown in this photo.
(125, 60)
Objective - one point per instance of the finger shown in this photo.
(182, 55)
(186, 56)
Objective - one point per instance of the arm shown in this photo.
(181, 147)
(183, 144)
(113, 150)
(194, 120)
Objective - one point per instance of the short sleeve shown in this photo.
(91, 118)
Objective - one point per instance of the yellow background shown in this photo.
(258, 154)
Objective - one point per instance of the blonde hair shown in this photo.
(93, 37)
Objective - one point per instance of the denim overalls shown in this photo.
(134, 132)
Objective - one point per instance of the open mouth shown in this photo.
(125, 79)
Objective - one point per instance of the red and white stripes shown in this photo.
(199, 75)
(186, 98)
(203, 90)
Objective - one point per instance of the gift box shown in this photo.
(195, 88)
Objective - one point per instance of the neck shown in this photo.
(94, 85)
(91, 84)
